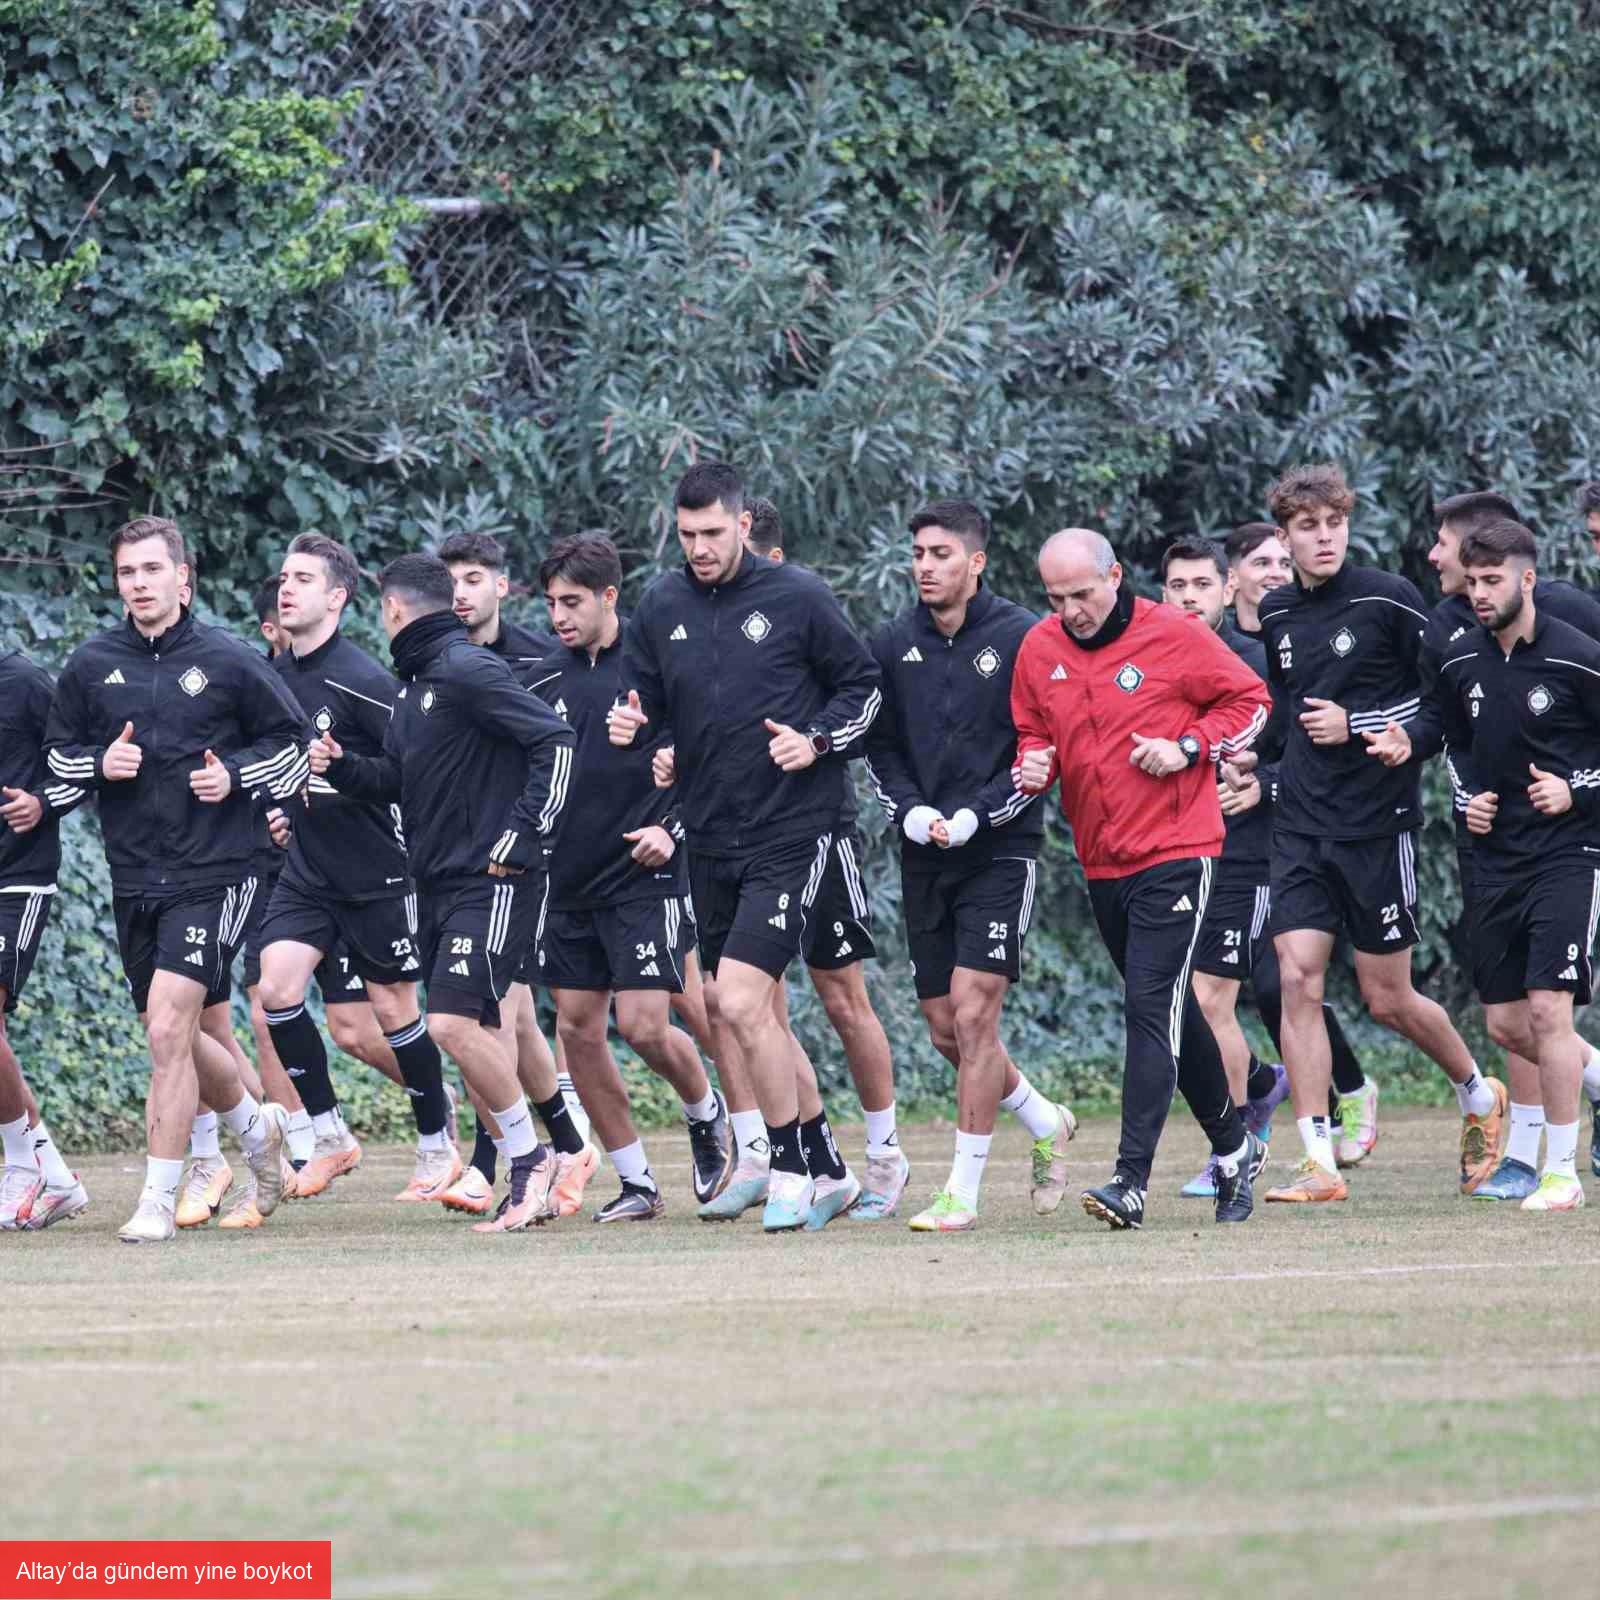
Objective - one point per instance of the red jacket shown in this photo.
(1165, 675)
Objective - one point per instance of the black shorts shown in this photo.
(839, 927)
(23, 915)
(966, 914)
(1535, 933)
(1235, 927)
(266, 883)
(195, 933)
(339, 981)
(755, 907)
(378, 936)
(474, 935)
(1366, 888)
(636, 944)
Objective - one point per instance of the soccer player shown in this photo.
(480, 770)
(1257, 562)
(615, 924)
(1459, 518)
(838, 940)
(1140, 704)
(345, 883)
(1342, 657)
(940, 756)
(1520, 697)
(479, 582)
(36, 1187)
(172, 724)
(768, 693)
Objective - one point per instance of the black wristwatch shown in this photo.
(821, 743)
(1190, 747)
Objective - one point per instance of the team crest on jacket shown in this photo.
(323, 721)
(193, 682)
(427, 701)
(755, 627)
(1129, 678)
(1344, 641)
(1540, 700)
(987, 661)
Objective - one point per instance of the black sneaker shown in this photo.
(634, 1204)
(711, 1144)
(1120, 1202)
(1236, 1194)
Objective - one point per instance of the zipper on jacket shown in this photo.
(155, 718)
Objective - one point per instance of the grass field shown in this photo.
(1399, 1392)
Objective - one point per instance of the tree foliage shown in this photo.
(1087, 261)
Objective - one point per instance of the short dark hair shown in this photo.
(1496, 542)
(1195, 550)
(474, 549)
(1589, 499)
(423, 582)
(1309, 488)
(343, 573)
(266, 599)
(150, 528)
(589, 560)
(1246, 539)
(960, 517)
(709, 483)
(1466, 513)
(766, 526)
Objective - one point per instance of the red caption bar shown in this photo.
(160, 1569)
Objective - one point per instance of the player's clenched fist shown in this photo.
(1480, 811)
(212, 782)
(322, 752)
(1549, 794)
(789, 748)
(664, 767)
(625, 719)
(122, 758)
(22, 810)
(1032, 771)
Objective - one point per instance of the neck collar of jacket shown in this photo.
(1115, 625)
(1539, 620)
(312, 658)
(747, 568)
(163, 641)
(978, 607)
(1329, 588)
(580, 652)
(421, 640)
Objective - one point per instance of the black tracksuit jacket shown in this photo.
(479, 766)
(342, 847)
(945, 737)
(614, 788)
(1247, 841)
(711, 662)
(1353, 640)
(1540, 706)
(30, 859)
(193, 689)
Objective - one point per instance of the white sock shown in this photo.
(966, 1172)
(434, 1141)
(1522, 1144)
(1561, 1148)
(499, 1147)
(631, 1165)
(302, 1136)
(516, 1128)
(883, 1139)
(1031, 1109)
(57, 1174)
(701, 1110)
(750, 1134)
(161, 1180)
(203, 1136)
(1230, 1164)
(327, 1124)
(1475, 1097)
(1591, 1071)
(1314, 1136)
(246, 1124)
(18, 1144)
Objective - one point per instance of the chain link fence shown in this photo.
(440, 84)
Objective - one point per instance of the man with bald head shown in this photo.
(1133, 707)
